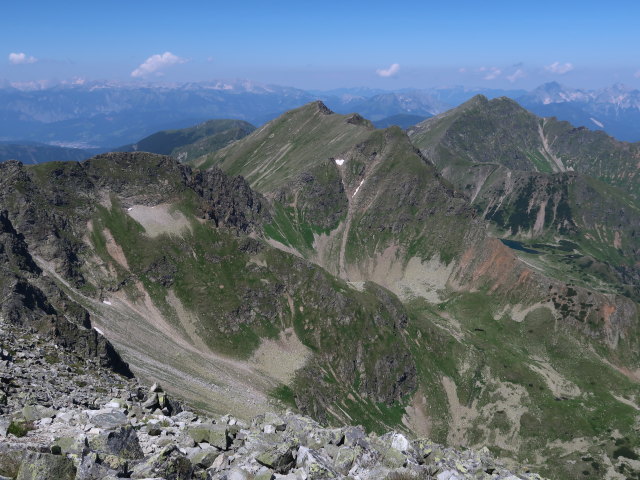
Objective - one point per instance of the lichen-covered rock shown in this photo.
(215, 435)
(345, 458)
(91, 467)
(109, 419)
(170, 464)
(74, 445)
(204, 457)
(280, 458)
(122, 442)
(45, 466)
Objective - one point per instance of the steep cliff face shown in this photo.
(33, 301)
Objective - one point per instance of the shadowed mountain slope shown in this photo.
(189, 143)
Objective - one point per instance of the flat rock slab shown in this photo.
(110, 420)
(215, 435)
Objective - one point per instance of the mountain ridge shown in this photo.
(106, 114)
(192, 142)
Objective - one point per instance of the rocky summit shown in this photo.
(67, 419)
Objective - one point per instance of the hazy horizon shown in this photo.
(338, 45)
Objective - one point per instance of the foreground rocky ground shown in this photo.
(63, 417)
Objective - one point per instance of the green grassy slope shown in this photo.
(237, 291)
(530, 389)
(504, 158)
(500, 131)
(413, 315)
(190, 143)
(289, 145)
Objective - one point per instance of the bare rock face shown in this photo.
(27, 303)
(229, 201)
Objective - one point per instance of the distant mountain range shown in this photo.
(616, 109)
(105, 115)
(108, 115)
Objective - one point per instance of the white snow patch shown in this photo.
(129, 209)
(600, 124)
(339, 161)
(98, 330)
(106, 302)
(354, 193)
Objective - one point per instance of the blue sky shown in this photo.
(323, 45)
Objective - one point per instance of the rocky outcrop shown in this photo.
(33, 301)
(318, 195)
(229, 201)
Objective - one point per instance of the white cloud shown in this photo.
(389, 72)
(462, 70)
(20, 58)
(155, 63)
(518, 74)
(637, 74)
(559, 68)
(492, 73)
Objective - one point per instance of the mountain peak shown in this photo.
(311, 108)
(476, 100)
(322, 108)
